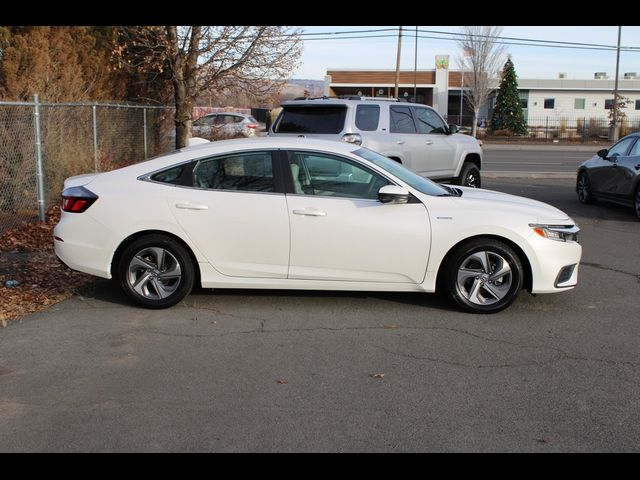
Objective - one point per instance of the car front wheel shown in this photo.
(483, 276)
(583, 188)
(156, 271)
(636, 202)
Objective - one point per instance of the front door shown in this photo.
(340, 231)
(604, 176)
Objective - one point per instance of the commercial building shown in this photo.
(558, 99)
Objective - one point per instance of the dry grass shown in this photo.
(27, 256)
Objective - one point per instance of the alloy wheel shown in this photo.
(484, 278)
(583, 188)
(154, 273)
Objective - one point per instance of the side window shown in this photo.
(401, 120)
(234, 119)
(248, 172)
(171, 176)
(635, 151)
(429, 122)
(367, 117)
(620, 148)
(329, 176)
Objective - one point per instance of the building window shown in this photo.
(637, 104)
(524, 102)
(578, 104)
(608, 104)
(549, 103)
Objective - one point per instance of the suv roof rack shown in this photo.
(354, 97)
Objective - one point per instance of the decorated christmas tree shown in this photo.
(507, 114)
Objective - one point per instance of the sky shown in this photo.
(530, 61)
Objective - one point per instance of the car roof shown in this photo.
(238, 144)
(274, 142)
(349, 101)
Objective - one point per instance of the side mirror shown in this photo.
(603, 153)
(393, 194)
(453, 129)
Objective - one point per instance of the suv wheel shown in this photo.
(483, 276)
(469, 176)
(156, 271)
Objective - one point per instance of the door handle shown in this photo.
(310, 213)
(400, 142)
(428, 142)
(192, 206)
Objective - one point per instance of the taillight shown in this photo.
(77, 199)
(251, 125)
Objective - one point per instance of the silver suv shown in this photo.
(410, 133)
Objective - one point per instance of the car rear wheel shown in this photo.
(583, 188)
(483, 276)
(469, 176)
(156, 271)
(636, 202)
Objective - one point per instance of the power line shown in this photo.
(349, 34)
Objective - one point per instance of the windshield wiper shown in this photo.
(451, 192)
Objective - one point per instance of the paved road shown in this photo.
(535, 160)
(296, 371)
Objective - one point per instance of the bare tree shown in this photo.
(199, 59)
(482, 57)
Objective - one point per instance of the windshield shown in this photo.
(412, 179)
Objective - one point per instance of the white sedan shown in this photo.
(293, 213)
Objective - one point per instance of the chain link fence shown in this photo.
(41, 144)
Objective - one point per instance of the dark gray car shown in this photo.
(613, 174)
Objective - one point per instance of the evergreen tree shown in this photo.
(507, 114)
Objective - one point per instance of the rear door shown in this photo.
(404, 133)
(236, 214)
(437, 149)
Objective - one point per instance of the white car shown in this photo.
(290, 213)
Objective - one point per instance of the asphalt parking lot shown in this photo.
(243, 370)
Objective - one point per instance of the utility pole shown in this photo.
(398, 61)
(415, 70)
(615, 132)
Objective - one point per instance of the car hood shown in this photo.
(473, 198)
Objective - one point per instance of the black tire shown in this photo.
(469, 176)
(493, 291)
(636, 202)
(583, 189)
(161, 281)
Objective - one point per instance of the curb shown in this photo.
(541, 175)
(533, 147)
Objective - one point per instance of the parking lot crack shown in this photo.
(610, 269)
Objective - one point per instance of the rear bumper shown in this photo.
(82, 244)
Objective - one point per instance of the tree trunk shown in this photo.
(474, 129)
(184, 109)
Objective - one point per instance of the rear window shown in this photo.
(367, 117)
(312, 119)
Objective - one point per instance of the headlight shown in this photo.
(561, 233)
